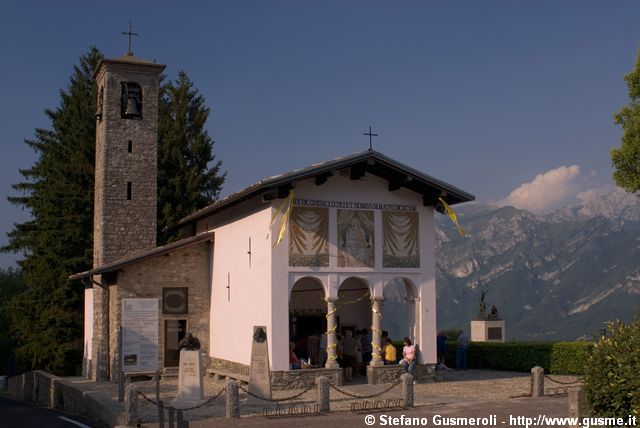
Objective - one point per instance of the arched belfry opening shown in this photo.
(131, 101)
(307, 318)
(399, 310)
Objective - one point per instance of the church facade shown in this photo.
(313, 251)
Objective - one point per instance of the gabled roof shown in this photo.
(143, 255)
(369, 161)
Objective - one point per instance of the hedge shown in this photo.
(554, 357)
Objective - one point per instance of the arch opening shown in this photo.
(307, 322)
(399, 310)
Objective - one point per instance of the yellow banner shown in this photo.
(285, 209)
(454, 218)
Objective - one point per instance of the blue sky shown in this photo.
(486, 95)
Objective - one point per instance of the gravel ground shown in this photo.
(455, 387)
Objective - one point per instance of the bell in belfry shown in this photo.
(131, 108)
(132, 100)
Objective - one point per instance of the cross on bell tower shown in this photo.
(130, 34)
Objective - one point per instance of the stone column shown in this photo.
(322, 394)
(407, 389)
(332, 342)
(376, 332)
(576, 404)
(131, 405)
(537, 382)
(232, 408)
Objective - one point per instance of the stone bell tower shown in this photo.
(125, 215)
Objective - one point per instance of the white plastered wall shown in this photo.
(234, 311)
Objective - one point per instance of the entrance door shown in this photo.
(174, 332)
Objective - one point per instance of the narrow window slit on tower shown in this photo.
(130, 146)
(128, 190)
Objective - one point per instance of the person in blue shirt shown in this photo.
(461, 351)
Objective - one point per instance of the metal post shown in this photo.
(160, 414)
(160, 408)
(181, 422)
(121, 368)
(171, 424)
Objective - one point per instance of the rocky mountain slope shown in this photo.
(559, 276)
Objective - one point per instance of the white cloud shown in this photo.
(593, 194)
(547, 191)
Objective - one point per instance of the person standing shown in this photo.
(349, 346)
(441, 342)
(367, 349)
(389, 352)
(461, 351)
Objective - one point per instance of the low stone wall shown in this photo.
(46, 390)
(303, 378)
(227, 366)
(43, 388)
(390, 374)
(20, 387)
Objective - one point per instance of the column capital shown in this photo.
(378, 299)
(331, 299)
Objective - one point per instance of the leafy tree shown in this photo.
(188, 176)
(47, 315)
(612, 384)
(626, 159)
(10, 285)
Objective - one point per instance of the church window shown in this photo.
(130, 146)
(131, 101)
(128, 190)
(175, 300)
(100, 103)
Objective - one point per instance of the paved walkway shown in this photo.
(461, 392)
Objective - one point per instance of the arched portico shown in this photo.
(399, 311)
(307, 317)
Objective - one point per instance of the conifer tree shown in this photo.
(46, 317)
(10, 285)
(189, 178)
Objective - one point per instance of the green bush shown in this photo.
(554, 357)
(612, 378)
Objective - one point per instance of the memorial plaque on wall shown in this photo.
(140, 335)
(175, 300)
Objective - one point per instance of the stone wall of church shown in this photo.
(187, 267)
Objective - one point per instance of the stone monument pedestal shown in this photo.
(190, 381)
(259, 371)
(488, 331)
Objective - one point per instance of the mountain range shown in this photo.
(558, 276)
